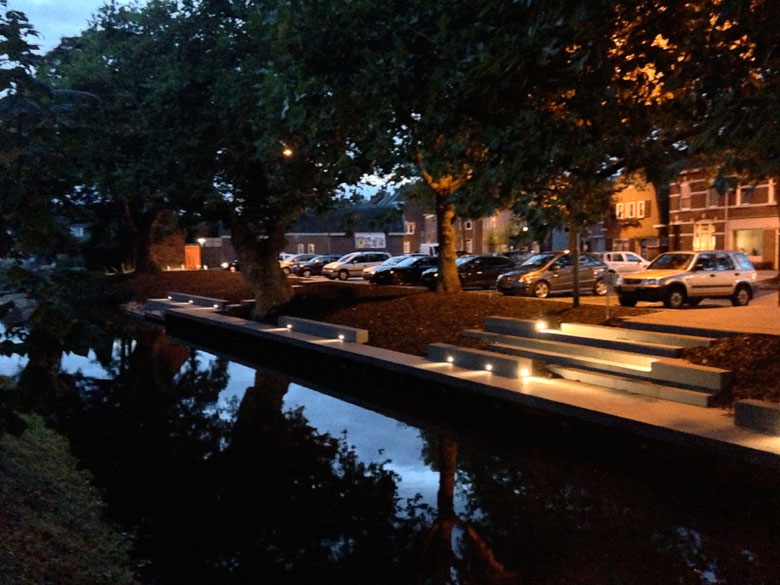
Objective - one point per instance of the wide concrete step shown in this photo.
(670, 371)
(636, 335)
(636, 341)
(630, 359)
(633, 386)
(675, 329)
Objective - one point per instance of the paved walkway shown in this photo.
(709, 428)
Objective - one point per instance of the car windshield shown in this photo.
(463, 259)
(537, 260)
(394, 260)
(347, 257)
(671, 262)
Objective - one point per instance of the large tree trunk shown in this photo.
(259, 260)
(445, 232)
(141, 226)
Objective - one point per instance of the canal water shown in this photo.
(227, 469)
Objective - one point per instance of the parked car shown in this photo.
(368, 271)
(474, 271)
(314, 266)
(623, 262)
(232, 266)
(553, 272)
(677, 278)
(353, 264)
(290, 264)
(518, 257)
(407, 271)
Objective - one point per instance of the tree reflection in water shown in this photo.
(216, 494)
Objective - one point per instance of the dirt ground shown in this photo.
(408, 319)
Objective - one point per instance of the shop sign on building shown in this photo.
(370, 240)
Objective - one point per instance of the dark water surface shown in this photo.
(236, 470)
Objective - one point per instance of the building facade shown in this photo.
(744, 218)
(638, 221)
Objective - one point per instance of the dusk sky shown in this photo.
(55, 19)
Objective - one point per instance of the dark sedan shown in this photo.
(407, 271)
(479, 271)
(314, 266)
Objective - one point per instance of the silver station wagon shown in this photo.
(353, 264)
(677, 278)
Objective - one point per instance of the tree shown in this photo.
(33, 171)
(139, 146)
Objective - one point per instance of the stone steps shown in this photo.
(635, 386)
(635, 361)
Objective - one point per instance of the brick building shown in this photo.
(384, 223)
(744, 218)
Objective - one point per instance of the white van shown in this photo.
(430, 248)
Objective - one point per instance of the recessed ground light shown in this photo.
(341, 337)
(216, 306)
(170, 298)
(541, 325)
(289, 326)
(450, 359)
(190, 301)
(489, 367)
(525, 372)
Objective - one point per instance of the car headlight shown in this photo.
(650, 281)
(225, 265)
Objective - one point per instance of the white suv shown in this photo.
(677, 278)
(624, 262)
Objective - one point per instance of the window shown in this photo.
(410, 228)
(640, 209)
(751, 242)
(704, 236)
(685, 196)
(723, 262)
(631, 209)
(407, 247)
(705, 262)
(310, 249)
(743, 262)
(469, 246)
(467, 225)
(632, 258)
(621, 244)
(619, 211)
(299, 249)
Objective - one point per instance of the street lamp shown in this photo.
(201, 241)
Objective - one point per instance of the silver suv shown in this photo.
(677, 278)
(353, 264)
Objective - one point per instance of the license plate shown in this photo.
(628, 288)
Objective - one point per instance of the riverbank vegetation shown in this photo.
(51, 518)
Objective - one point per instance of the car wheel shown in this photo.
(627, 300)
(306, 273)
(741, 296)
(541, 290)
(600, 288)
(694, 302)
(343, 275)
(675, 298)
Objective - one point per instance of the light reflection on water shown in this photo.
(544, 510)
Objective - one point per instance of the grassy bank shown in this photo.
(51, 525)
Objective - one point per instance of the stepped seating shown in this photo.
(639, 362)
